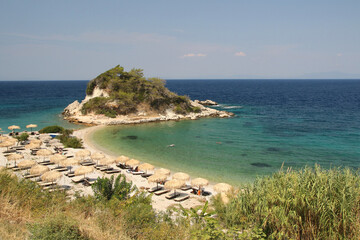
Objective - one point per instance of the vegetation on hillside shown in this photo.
(65, 136)
(128, 90)
(312, 203)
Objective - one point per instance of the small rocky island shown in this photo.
(119, 97)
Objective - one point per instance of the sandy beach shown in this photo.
(159, 203)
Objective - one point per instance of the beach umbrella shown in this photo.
(83, 154)
(157, 178)
(199, 182)
(13, 127)
(7, 144)
(106, 161)
(181, 176)
(44, 152)
(146, 167)
(97, 156)
(31, 126)
(174, 184)
(222, 187)
(38, 169)
(163, 171)
(26, 164)
(132, 162)
(83, 170)
(51, 176)
(14, 157)
(122, 159)
(3, 138)
(69, 162)
(57, 158)
(36, 141)
(32, 146)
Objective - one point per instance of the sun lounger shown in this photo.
(172, 195)
(70, 175)
(87, 163)
(162, 192)
(138, 173)
(78, 179)
(112, 171)
(186, 187)
(31, 176)
(103, 169)
(154, 189)
(45, 184)
(182, 198)
(146, 175)
(62, 169)
(89, 182)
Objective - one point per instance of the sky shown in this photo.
(197, 39)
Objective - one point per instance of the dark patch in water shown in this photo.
(197, 136)
(205, 124)
(229, 141)
(130, 137)
(273, 149)
(258, 164)
(244, 154)
(248, 124)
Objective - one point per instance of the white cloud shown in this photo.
(194, 55)
(240, 54)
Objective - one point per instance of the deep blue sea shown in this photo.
(290, 122)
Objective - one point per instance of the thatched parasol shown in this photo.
(7, 144)
(26, 164)
(106, 161)
(223, 187)
(14, 157)
(181, 176)
(13, 127)
(174, 184)
(3, 138)
(132, 162)
(122, 159)
(57, 158)
(51, 176)
(69, 162)
(82, 154)
(157, 178)
(32, 146)
(83, 170)
(36, 141)
(38, 169)
(31, 126)
(199, 182)
(44, 152)
(146, 167)
(163, 171)
(97, 156)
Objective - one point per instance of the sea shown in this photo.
(277, 124)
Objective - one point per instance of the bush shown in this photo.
(105, 188)
(23, 137)
(52, 129)
(305, 204)
(58, 228)
(70, 141)
(196, 109)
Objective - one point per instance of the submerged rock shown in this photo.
(257, 164)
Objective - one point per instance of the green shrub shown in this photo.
(23, 137)
(196, 109)
(304, 204)
(70, 141)
(56, 228)
(105, 188)
(52, 129)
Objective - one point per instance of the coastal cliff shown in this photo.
(119, 97)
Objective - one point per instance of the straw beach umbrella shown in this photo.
(14, 157)
(38, 169)
(51, 176)
(3, 138)
(83, 154)
(26, 164)
(7, 144)
(36, 141)
(83, 170)
(132, 162)
(200, 182)
(31, 126)
(44, 153)
(57, 158)
(97, 156)
(146, 167)
(106, 161)
(157, 178)
(122, 159)
(32, 146)
(174, 184)
(223, 187)
(163, 171)
(13, 127)
(181, 176)
(69, 162)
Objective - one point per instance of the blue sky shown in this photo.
(70, 40)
